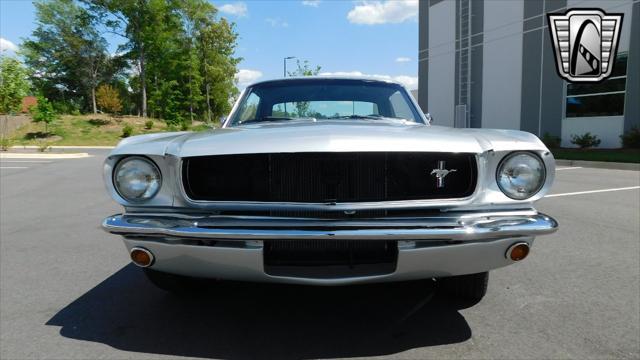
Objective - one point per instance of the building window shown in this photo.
(602, 99)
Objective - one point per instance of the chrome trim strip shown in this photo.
(458, 228)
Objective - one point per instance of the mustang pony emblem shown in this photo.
(440, 173)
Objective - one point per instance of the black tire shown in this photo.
(176, 284)
(472, 287)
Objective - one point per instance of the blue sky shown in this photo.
(376, 38)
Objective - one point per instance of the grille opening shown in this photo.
(328, 259)
(327, 177)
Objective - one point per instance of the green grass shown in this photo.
(609, 155)
(87, 130)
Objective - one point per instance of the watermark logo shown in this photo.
(585, 42)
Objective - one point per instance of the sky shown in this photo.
(364, 38)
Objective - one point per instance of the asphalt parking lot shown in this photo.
(67, 290)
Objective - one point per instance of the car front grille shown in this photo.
(328, 177)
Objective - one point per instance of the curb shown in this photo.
(599, 164)
(63, 147)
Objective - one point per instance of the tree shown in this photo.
(13, 84)
(109, 99)
(216, 45)
(303, 69)
(43, 112)
(183, 55)
(66, 52)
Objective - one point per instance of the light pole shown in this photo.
(285, 63)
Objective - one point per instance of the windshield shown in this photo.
(322, 99)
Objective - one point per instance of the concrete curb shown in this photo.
(599, 164)
(63, 147)
(43, 156)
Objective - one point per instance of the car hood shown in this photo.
(329, 136)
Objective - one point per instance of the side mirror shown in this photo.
(429, 118)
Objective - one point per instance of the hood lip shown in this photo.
(382, 121)
(330, 136)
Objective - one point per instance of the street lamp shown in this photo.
(285, 64)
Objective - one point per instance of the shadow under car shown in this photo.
(249, 320)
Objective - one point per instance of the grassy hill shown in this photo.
(88, 130)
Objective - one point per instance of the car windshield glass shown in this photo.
(324, 99)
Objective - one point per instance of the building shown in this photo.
(490, 64)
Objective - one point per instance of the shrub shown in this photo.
(108, 99)
(184, 126)
(127, 130)
(98, 122)
(65, 107)
(43, 146)
(585, 140)
(148, 124)
(551, 141)
(5, 144)
(631, 138)
(43, 112)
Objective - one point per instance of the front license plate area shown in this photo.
(330, 259)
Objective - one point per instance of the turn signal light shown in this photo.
(141, 257)
(518, 251)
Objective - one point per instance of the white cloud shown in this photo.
(237, 9)
(383, 12)
(411, 82)
(245, 77)
(6, 45)
(312, 3)
(403, 59)
(277, 22)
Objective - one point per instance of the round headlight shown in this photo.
(137, 178)
(521, 175)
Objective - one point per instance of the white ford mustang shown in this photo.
(329, 181)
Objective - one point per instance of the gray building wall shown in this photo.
(513, 78)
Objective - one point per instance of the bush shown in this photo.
(65, 107)
(43, 146)
(43, 112)
(631, 138)
(551, 141)
(585, 140)
(5, 144)
(184, 126)
(108, 99)
(127, 130)
(148, 124)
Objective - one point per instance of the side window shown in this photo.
(400, 106)
(248, 111)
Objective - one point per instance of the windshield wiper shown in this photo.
(357, 117)
(372, 117)
(276, 118)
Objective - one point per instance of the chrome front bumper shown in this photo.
(230, 247)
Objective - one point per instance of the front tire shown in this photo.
(472, 287)
(176, 284)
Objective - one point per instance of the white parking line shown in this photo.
(41, 156)
(22, 161)
(594, 191)
(569, 168)
(13, 167)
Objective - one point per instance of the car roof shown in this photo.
(325, 78)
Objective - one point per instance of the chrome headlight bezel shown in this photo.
(127, 159)
(537, 188)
